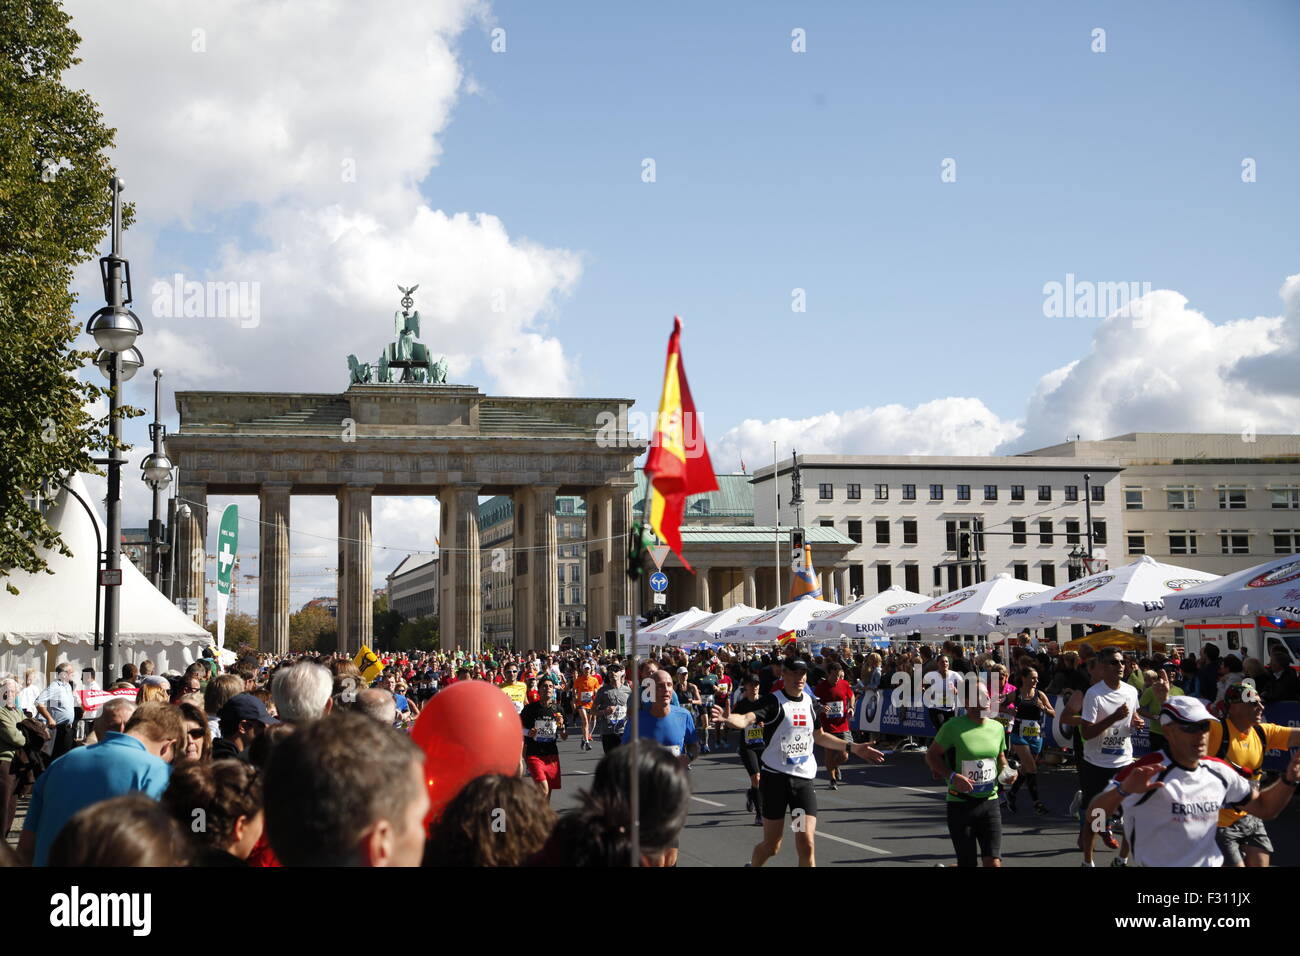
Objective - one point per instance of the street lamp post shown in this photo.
(157, 474)
(115, 329)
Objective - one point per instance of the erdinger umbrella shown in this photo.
(972, 610)
(766, 627)
(1123, 597)
(1273, 586)
(708, 628)
(861, 620)
(659, 632)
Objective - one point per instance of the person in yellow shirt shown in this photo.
(584, 698)
(515, 689)
(1241, 739)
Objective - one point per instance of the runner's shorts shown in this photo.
(845, 735)
(1092, 781)
(781, 792)
(1035, 744)
(752, 757)
(976, 829)
(545, 769)
(1248, 831)
(610, 741)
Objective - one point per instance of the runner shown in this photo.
(836, 699)
(1241, 738)
(611, 708)
(940, 689)
(1172, 798)
(970, 751)
(515, 689)
(789, 732)
(1032, 709)
(751, 745)
(1107, 720)
(585, 686)
(542, 722)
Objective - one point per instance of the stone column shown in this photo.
(828, 585)
(191, 547)
(273, 580)
(621, 588)
(356, 593)
(751, 587)
(842, 582)
(598, 568)
(702, 596)
(545, 584)
(521, 569)
(467, 572)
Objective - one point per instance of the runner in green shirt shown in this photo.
(1149, 704)
(970, 753)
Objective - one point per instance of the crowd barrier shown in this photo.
(877, 713)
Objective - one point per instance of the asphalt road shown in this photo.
(886, 815)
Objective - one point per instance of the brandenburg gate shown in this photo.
(414, 436)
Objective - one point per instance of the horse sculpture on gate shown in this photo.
(405, 353)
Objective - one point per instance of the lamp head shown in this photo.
(131, 362)
(115, 328)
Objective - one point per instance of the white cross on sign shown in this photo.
(226, 556)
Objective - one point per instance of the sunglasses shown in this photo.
(196, 733)
(1200, 727)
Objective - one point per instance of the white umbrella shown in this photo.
(766, 627)
(658, 633)
(1125, 597)
(861, 620)
(972, 610)
(708, 628)
(1265, 588)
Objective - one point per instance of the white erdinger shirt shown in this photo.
(1175, 825)
(1113, 747)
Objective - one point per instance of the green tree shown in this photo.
(240, 629)
(55, 207)
(312, 629)
(420, 634)
(387, 623)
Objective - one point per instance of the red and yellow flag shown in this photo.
(678, 464)
(785, 637)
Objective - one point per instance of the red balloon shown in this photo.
(466, 731)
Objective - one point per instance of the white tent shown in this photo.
(768, 626)
(1124, 597)
(708, 628)
(52, 618)
(972, 610)
(1267, 588)
(861, 620)
(657, 634)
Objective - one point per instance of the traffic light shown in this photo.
(639, 539)
(979, 536)
(963, 545)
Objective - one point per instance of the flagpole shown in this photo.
(634, 781)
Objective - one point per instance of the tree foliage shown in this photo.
(240, 629)
(55, 207)
(312, 629)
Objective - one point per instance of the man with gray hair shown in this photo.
(113, 718)
(302, 692)
(378, 703)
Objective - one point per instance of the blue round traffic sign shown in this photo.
(659, 582)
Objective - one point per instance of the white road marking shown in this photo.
(709, 802)
(861, 846)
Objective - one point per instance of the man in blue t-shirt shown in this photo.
(667, 723)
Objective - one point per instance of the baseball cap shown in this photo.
(1243, 693)
(245, 707)
(1184, 710)
(682, 670)
(795, 664)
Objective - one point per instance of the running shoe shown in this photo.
(1108, 838)
(835, 784)
(758, 819)
(749, 802)
(1119, 861)
(1040, 808)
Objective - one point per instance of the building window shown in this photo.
(1132, 499)
(1182, 542)
(1071, 492)
(1286, 541)
(1232, 499)
(1020, 571)
(938, 576)
(1180, 499)
(1071, 530)
(1045, 532)
(1017, 492)
(564, 506)
(909, 493)
(990, 492)
(1044, 492)
(1234, 542)
(963, 492)
(909, 531)
(855, 579)
(882, 492)
(884, 577)
(936, 492)
(950, 536)
(1047, 573)
(575, 596)
(1286, 498)
(1018, 531)
(1098, 493)
(855, 530)
(855, 492)
(882, 532)
(560, 572)
(1099, 532)
(1137, 543)
(826, 523)
(575, 571)
(912, 578)
(824, 492)
(702, 506)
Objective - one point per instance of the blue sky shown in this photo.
(924, 329)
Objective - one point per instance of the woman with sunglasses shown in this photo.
(197, 742)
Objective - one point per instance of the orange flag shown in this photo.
(678, 464)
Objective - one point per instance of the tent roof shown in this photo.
(60, 606)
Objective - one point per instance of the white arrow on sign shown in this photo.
(658, 554)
